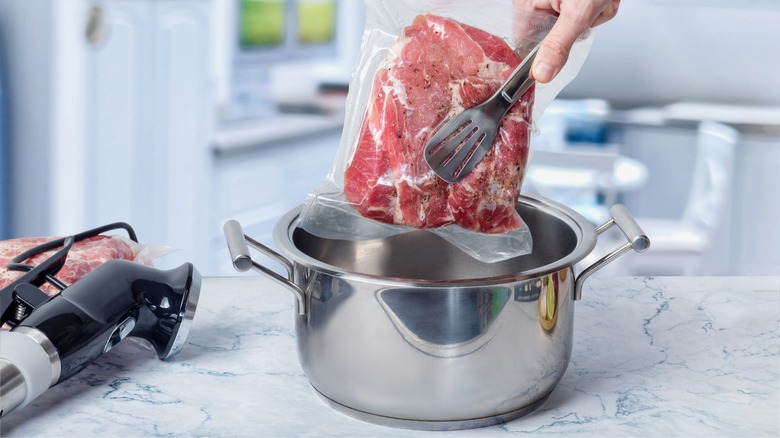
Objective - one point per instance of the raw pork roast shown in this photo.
(437, 68)
(84, 256)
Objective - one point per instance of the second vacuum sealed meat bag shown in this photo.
(423, 62)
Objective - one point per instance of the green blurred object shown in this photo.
(262, 22)
(316, 21)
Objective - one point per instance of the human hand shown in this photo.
(574, 18)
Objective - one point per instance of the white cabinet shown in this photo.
(122, 129)
(115, 130)
(148, 115)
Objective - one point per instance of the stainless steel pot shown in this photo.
(409, 331)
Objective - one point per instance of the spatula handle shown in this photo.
(520, 80)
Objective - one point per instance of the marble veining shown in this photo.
(652, 357)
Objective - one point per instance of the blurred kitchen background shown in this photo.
(176, 115)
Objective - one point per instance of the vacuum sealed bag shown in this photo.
(422, 62)
(83, 257)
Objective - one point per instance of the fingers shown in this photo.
(575, 17)
(607, 14)
(555, 47)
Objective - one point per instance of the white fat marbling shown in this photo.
(652, 357)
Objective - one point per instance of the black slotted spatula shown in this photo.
(458, 146)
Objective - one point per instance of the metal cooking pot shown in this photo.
(409, 331)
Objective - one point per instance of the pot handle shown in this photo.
(239, 254)
(637, 240)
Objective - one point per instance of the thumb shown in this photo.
(555, 47)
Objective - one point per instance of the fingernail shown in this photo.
(544, 72)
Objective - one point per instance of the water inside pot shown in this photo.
(421, 255)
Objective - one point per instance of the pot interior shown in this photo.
(421, 255)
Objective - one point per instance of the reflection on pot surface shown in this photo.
(457, 322)
(445, 323)
(549, 296)
(432, 353)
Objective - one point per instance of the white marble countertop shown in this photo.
(652, 357)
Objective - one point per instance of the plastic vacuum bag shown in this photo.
(422, 62)
(83, 258)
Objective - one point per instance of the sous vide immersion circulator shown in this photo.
(52, 339)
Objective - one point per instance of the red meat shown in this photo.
(83, 257)
(437, 68)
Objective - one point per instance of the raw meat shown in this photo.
(437, 68)
(83, 257)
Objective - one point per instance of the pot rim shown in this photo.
(584, 230)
